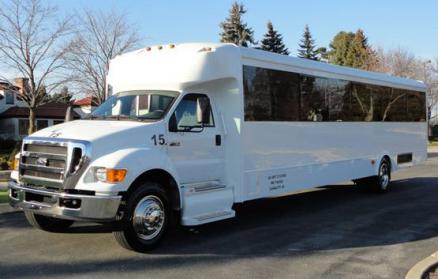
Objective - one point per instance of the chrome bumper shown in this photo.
(91, 208)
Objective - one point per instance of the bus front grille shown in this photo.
(44, 164)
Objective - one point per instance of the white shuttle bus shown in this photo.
(191, 130)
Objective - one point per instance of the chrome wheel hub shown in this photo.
(148, 217)
(384, 176)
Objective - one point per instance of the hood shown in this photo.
(94, 130)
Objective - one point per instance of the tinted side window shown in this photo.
(285, 96)
(257, 94)
(339, 104)
(314, 101)
(416, 106)
(362, 102)
(272, 95)
(395, 106)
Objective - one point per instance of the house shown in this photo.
(14, 113)
(84, 106)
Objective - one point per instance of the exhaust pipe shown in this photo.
(68, 114)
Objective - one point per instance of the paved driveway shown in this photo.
(333, 232)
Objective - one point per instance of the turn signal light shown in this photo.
(110, 175)
(115, 175)
(16, 164)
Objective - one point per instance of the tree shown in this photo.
(100, 38)
(352, 50)
(234, 30)
(322, 53)
(399, 62)
(64, 96)
(339, 48)
(307, 46)
(32, 43)
(403, 63)
(360, 54)
(273, 41)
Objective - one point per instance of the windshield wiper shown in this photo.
(118, 117)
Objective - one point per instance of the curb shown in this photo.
(417, 271)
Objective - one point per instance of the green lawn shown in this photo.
(3, 196)
(433, 143)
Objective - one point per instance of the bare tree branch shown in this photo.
(32, 43)
(102, 37)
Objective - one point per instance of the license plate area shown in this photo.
(32, 197)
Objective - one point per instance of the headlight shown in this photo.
(110, 175)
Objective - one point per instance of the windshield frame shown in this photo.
(176, 94)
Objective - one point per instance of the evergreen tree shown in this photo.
(234, 30)
(322, 54)
(357, 55)
(307, 46)
(64, 96)
(352, 50)
(340, 47)
(273, 41)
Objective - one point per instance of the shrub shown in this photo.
(7, 144)
(4, 165)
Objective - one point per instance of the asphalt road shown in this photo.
(333, 232)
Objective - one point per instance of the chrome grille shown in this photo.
(53, 163)
(44, 164)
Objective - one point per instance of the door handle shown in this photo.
(175, 143)
(218, 140)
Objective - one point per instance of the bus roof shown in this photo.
(224, 64)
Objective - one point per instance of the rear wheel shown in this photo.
(145, 219)
(46, 223)
(380, 182)
(383, 179)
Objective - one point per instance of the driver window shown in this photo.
(185, 113)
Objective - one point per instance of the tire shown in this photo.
(46, 223)
(145, 220)
(381, 182)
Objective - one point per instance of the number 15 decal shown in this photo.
(158, 140)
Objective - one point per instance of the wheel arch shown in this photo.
(165, 179)
(380, 158)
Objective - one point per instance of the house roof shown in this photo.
(51, 110)
(87, 101)
(5, 85)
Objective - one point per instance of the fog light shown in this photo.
(14, 193)
(70, 203)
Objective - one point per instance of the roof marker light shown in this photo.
(171, 46)
(148, 49)
(160, 47)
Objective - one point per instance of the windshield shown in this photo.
(139, 104)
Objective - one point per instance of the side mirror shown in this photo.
(203, 110)
(68, 114)
(172, 124)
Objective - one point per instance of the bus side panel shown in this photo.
(283, 157)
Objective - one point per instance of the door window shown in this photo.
(185, 115)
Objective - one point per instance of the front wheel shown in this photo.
(145, 219)
(46, 223)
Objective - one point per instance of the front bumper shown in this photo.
(44, 202)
